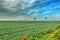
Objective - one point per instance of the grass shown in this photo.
(35, 30)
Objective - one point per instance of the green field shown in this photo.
(34, 30)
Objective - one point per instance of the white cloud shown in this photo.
(55, 17)
(47, 11)
(15, 18)
(58, 6)
(28, 1)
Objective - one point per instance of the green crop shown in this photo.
(34, 30)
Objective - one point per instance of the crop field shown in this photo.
(31, 30)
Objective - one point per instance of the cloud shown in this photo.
(14, 7)
(19, 18)
(55, 17)
(28, 9)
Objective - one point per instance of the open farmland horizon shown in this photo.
(29, 19)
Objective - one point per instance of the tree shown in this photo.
(45, 18)
(34, 18)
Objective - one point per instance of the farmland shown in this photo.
(13, 30)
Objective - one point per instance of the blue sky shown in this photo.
(29, 9)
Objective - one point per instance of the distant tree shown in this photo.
(45, 18)
(34, 18)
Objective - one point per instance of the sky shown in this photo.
(28, 9)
